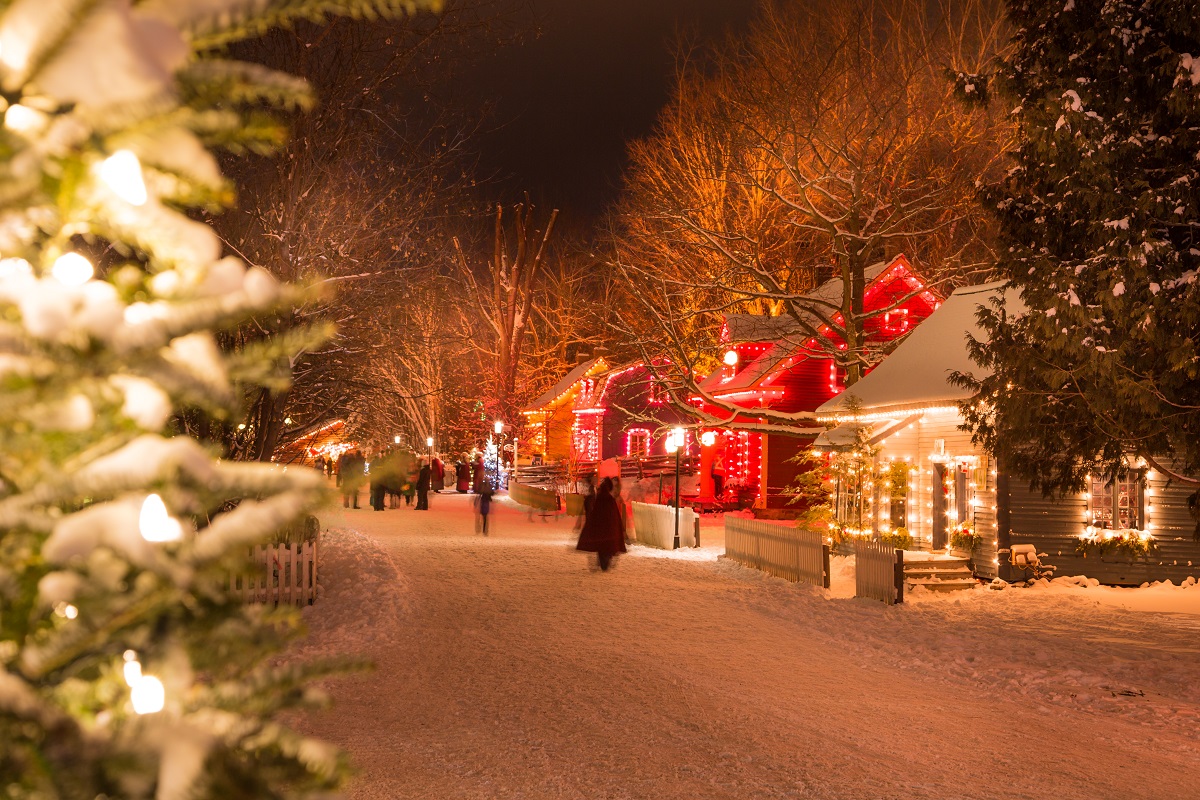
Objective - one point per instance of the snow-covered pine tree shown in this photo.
(125, 669)
(1100, 225)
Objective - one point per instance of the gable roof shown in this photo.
(794, 341)
(917, 374)
(555, 394)
(719, 382)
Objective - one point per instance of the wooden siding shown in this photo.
(1053, 527)
(780, 470)
(916, 443)
(628, 403)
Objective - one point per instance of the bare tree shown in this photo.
(499, 298)
(355, 203)
(821, 143)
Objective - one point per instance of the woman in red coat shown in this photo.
(603, 533)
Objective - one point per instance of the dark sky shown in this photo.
(566, 101)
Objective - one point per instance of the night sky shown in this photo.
(567, 101)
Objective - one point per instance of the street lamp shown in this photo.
(396, 439)
(675, 445)
(498, 427)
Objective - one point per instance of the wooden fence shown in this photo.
(280, 573)
(535, 497)
(654, 525)
(555, 474)
(781, 550)
(878, 571)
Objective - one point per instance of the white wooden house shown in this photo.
(938, 481)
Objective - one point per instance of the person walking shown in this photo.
(479, 475)
(623, 507)
(483, 506)
(351, 475)
(462, 477)
(437, 471)
(423, 481)
(602, 531)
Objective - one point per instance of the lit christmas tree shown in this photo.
(125, 668)
(491, 464)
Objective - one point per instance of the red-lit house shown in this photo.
(625, 414)
(777, 368)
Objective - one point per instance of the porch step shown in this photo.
(944, 586)
(940, 575)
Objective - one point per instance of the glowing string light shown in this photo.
(72, 269)
(122, 172)
(155, 524)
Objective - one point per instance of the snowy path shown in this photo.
(507, 669)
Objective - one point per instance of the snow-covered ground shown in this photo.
(507, 668)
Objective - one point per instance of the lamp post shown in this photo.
(498, 427)
(429, 444)
(675, 444)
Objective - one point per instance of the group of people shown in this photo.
(400, 473)
(395, 474)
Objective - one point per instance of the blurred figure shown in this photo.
(351, 475)
(423, 482)
(438, 474)
(479, 475)
(462, 477)
(602, 531)
(483, 505)
(623, 507)
(718, 475)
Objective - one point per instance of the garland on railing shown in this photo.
(1123, 542)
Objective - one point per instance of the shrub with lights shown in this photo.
(126, 670)
(1128, 544)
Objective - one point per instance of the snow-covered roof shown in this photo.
(741, 328)
(720, 382)
(581, 371)
(917, 374)
(759, 328)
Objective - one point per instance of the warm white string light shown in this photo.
(122, 172)
(72, 269)
(155, 524)
(23, 119)
(146, 692)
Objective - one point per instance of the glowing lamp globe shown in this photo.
(708, 438)
(731, 358)
(429, 441)
(498, 427)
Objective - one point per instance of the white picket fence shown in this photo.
(280, 573)
(878, 571)
(781, 550)
(654, 525)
